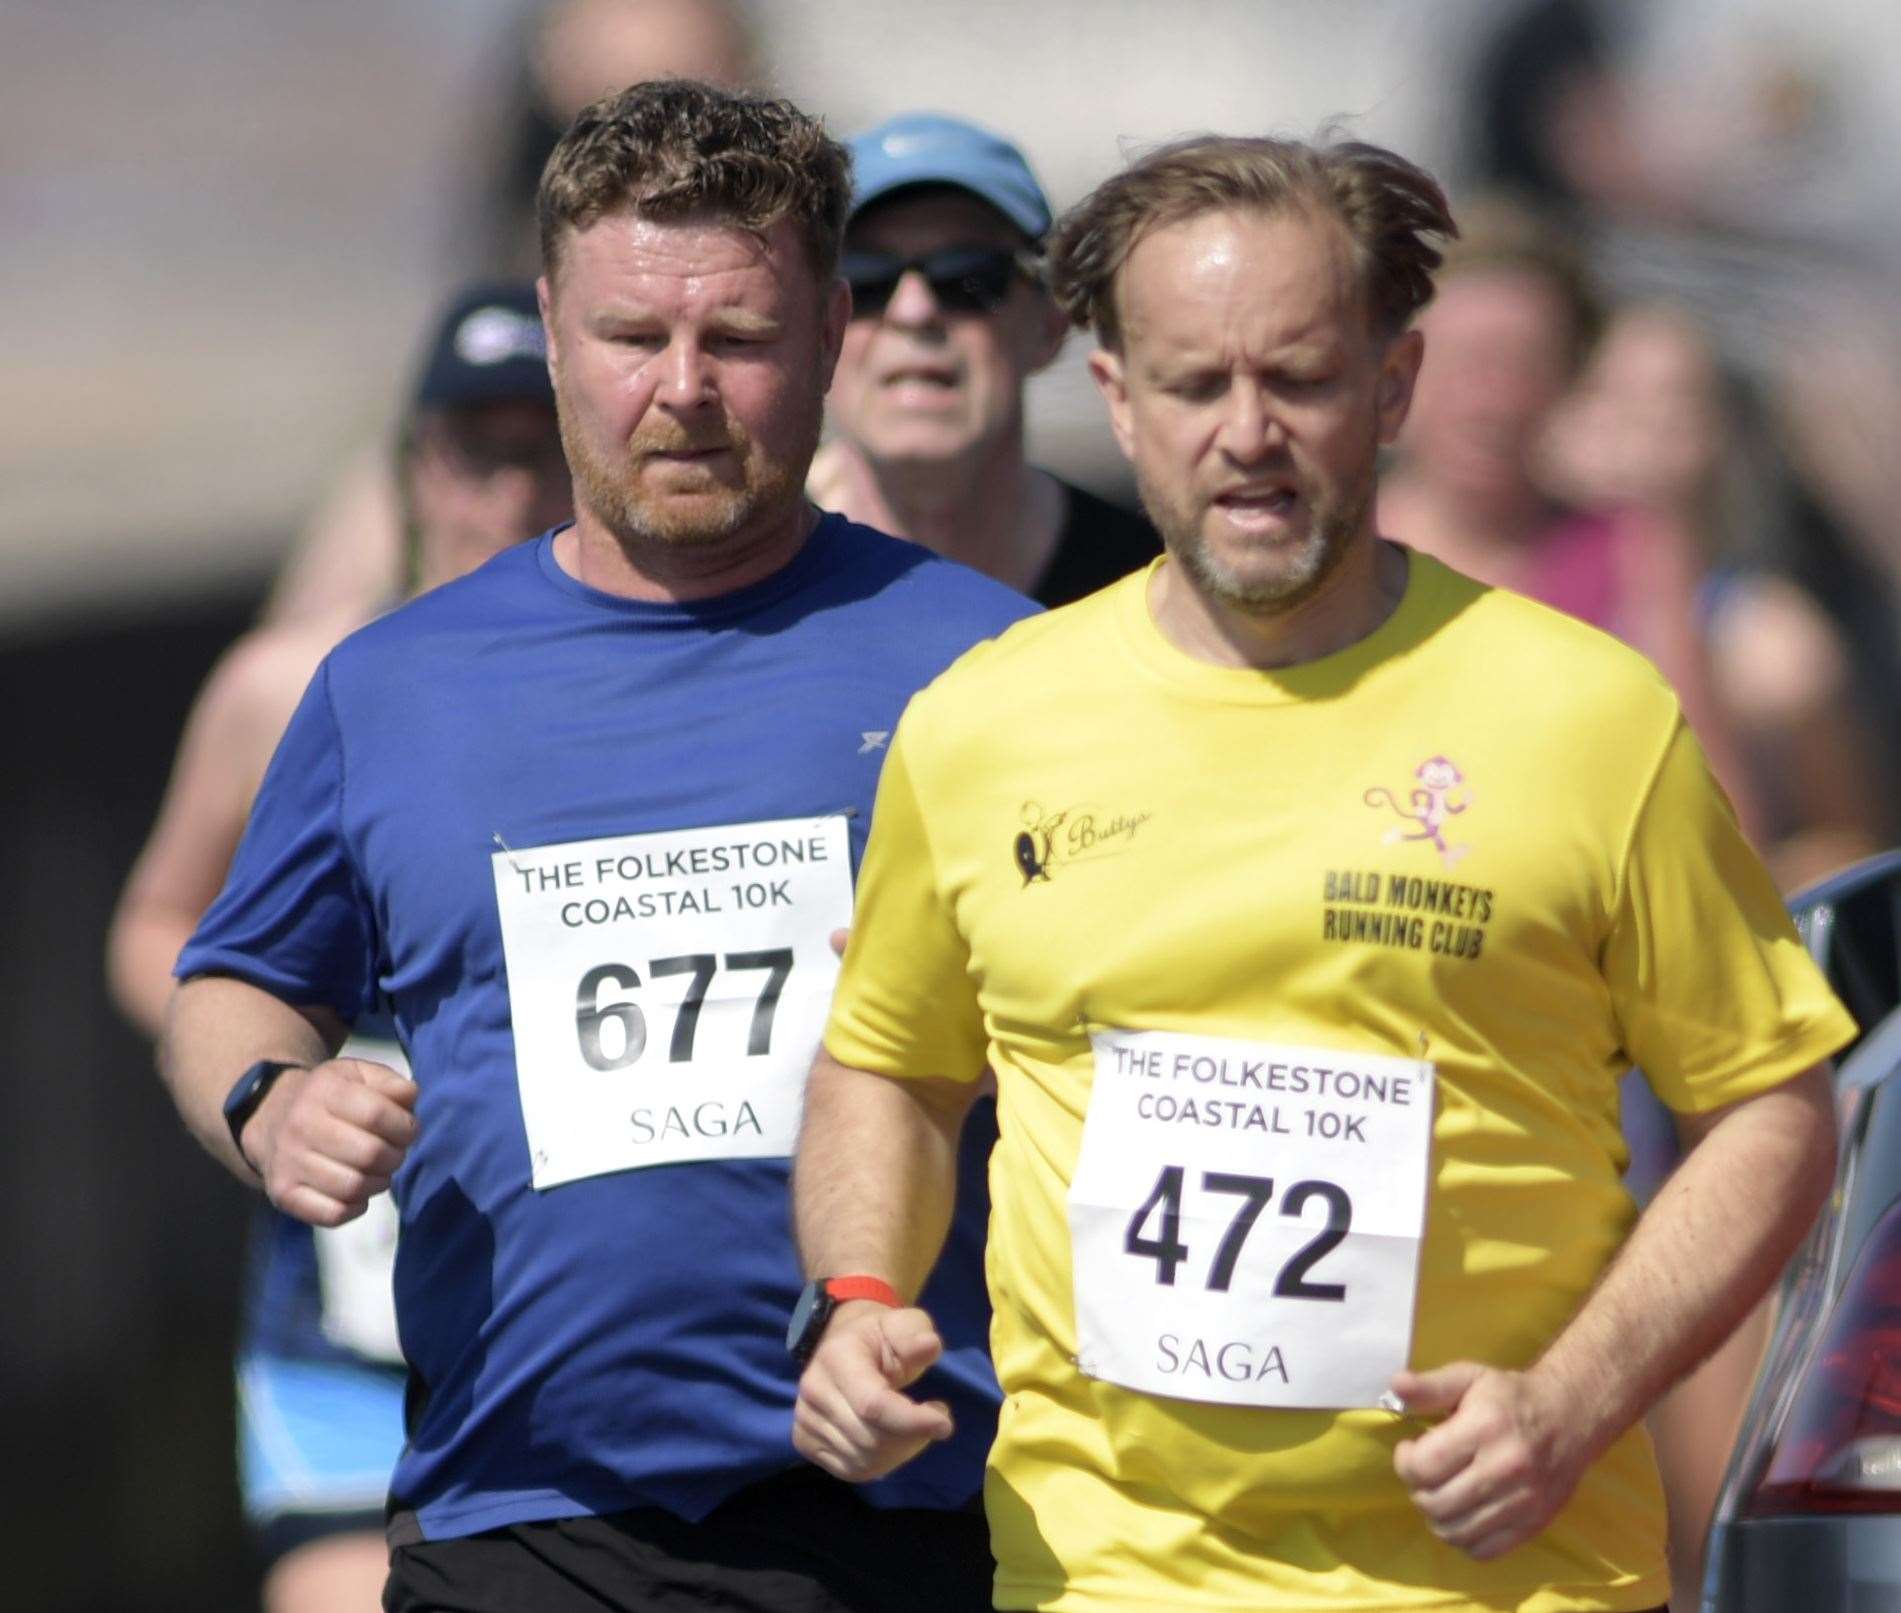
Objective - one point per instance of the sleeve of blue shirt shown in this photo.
(294, 918)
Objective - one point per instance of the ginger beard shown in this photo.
(1271, 575)
(643, 496)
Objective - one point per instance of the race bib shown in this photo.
(668, 991)
(356, 1262)
(1246, 1219)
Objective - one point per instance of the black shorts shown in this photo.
(800, 1542)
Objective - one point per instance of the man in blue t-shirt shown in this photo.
(583, 821)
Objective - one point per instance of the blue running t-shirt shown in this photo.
(586, 848)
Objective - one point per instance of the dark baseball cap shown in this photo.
(488, 347)
(929, 148)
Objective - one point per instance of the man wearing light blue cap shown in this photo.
(929, 148)
(950, 319)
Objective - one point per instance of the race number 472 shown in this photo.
(1155, 1230)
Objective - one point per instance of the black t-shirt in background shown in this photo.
(1100, 543)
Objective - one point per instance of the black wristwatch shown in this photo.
(248, 1094)
(822, 1296)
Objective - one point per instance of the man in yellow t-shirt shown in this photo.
(1308, 901)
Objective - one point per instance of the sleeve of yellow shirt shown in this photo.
(905, 1004)
(1716, 995)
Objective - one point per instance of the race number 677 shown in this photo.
(592, 1016)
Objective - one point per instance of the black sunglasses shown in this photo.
(963, 279)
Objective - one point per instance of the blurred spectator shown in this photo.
(950, 319)
(1651, 427)
(574, 51)
(1505, 336)
(1701, 128)
(478, 466)
(1546, 115)
(1750, 189)
(1728, 157)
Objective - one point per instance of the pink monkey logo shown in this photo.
(1440, 792)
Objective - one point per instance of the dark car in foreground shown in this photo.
(1809, 1518)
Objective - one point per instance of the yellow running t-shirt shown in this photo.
(1474, 862)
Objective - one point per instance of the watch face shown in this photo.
(248, 1094)
(250, 1088)
(808, 1319)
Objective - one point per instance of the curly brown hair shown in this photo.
(677, 148)
(1387, 206)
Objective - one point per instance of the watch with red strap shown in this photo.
(822, 1296)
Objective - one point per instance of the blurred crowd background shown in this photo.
(1663, 390)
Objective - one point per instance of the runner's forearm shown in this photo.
(1700, 1257)
(215, 1029)
(876, 1175)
